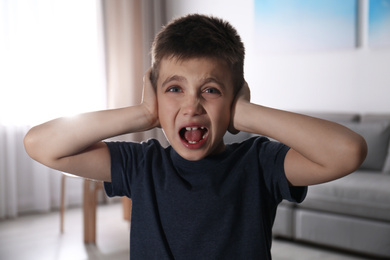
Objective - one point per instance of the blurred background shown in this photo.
(64, 57)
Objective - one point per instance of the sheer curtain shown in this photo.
(130, 27)
(51, 65)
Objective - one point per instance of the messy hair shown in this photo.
(200, 36)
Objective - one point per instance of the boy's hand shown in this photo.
(242, 96)
(149, 101)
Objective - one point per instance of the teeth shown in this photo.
(193, 128)
(188, 128)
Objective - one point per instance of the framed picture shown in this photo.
(379, 23)
(305, 25)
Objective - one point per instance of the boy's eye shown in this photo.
(174, 89)
(211, 92)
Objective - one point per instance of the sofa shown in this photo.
(351, 213)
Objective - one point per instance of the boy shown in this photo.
(200, 198)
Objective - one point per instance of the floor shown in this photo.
(38, 236)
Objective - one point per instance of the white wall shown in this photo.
(342, 81)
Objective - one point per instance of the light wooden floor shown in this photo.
(37, 237)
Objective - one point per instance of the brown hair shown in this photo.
(196, 36)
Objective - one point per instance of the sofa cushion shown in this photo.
(363, 194)
(377, 136)
(376, 117)
(379, 118)
(363, 236)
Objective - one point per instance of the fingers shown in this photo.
(245, 92)
(147, 74)
(148, 89)
(243, 95)
(149, 99)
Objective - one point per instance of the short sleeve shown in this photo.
(122, 160)
(271, 156)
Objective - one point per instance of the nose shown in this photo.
(192, 106)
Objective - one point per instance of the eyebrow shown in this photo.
(213, 80)
(173, 78)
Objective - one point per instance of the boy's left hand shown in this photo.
(243, 95)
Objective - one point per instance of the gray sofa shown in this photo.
(352, 213)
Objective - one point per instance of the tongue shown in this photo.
(193, 135)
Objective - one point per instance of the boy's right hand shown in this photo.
(149, 101)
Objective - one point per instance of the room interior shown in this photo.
(344, 80)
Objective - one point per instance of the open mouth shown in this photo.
(193, 135)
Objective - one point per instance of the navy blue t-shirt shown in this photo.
(221, 207)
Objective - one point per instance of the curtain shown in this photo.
(27, 186)
(130, 27)
(51, 65)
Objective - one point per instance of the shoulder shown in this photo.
(260, 144)
(134, 149)
(257, 150)
(148, 144)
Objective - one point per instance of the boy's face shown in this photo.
(194, 105)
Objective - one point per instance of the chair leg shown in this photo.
(89, 208)
(62, 206)
(87, 212)
(126, 205)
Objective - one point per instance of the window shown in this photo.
(52, 61)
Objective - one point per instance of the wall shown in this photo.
(340, 81)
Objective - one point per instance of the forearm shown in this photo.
(64, 137)
(292, 129)
(333, 148)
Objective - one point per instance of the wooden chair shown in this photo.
(90, 189)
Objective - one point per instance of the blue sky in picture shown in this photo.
(379, 23)
(302, 25)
